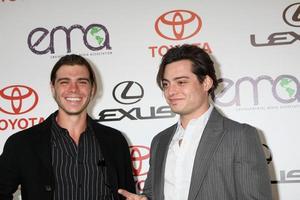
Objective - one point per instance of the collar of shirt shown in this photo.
(77, 170)
(58, 131)
(193, 128)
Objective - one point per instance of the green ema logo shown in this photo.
(287, 85)
(97, 32)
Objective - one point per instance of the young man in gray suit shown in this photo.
(205, 156)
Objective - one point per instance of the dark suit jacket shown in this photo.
(26, 160)
(229, 163)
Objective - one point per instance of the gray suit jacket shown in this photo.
(229, 163)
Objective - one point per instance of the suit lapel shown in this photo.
(104, 148)
(42, 147)
(210, 140)
(160, 160)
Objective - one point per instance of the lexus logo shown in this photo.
(128, 92)
(139, 157)
(17, 99)
(291, 15)
(178, 25)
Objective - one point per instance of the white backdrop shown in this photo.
(253, 43)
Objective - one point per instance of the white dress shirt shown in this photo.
(180, 158)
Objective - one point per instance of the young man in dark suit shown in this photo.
(69, 156)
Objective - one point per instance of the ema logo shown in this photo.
(291, 16)
(95, 37)
(19, 99)
(178, 25)
(284, 89)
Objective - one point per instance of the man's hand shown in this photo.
(131, 196)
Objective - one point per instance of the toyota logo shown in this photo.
(178, 25)
(128, 92)
(291, 15)
(18, 99)
(139, 157)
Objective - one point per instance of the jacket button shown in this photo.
(48, 188)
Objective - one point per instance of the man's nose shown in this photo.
(172, 90)
(73, 87)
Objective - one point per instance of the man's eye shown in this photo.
(63, 82)
(84, 82)
(164, 85)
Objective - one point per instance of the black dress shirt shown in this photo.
(79, 171)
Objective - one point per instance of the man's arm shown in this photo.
(9, 180)
(251, 174)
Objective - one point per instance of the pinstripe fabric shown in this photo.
(229, 163)
(78, 175)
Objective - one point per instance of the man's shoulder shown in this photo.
(230, 123)
(23, 136)
(107, 132)
(167, 131)
(103, 128)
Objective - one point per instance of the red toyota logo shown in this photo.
(20, 99)
(178, 25)
(139, 155)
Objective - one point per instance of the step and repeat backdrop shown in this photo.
(254, 44)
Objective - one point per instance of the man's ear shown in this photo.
(52, 89)
(207, 83)
(93, 92)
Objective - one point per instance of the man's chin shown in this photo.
(175, 110)
(74, 112)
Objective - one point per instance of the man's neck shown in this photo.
(185, 119)
(75, 124)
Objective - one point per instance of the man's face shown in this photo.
(72, 89)
(183, 92)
